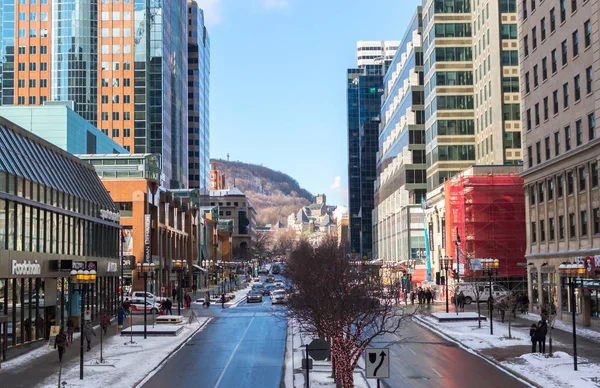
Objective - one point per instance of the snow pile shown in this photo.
(474, 337)
(125, 364)
(556, 371)
(565, 326)
(469, 315)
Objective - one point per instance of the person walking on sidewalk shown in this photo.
(105, 322)
(542, 332)
(534, 337)
(428, 296)
(70, 329)
(174, 293)
(61, 343)
(460, 301)
(88, 331)
(121, 314)
(223, 301)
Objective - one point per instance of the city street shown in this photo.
(425, 360)
(241, 347)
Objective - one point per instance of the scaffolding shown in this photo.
(489, 212)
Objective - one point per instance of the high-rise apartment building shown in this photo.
(198, 101)
(401, 179)
(123, 63)
(559, 42)
(449, 95)
(364, 90)
(374, 52)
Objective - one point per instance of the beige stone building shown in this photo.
(558, 54)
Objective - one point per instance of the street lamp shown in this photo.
(145, 268)
(457, 268)
(490, 267)
(179, 267)
(446, 264)
(572, 272)
(80, 280)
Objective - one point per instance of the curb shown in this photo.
(490, 360)
(142, 381)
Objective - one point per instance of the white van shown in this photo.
(468, 289)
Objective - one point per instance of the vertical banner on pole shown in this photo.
(147, 226)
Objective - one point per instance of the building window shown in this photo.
(32, 83)
(104, 82)
(529, 119)
(579, 132)
(551, 229)
(527, 88)
(126, 116)
(556, 143)
(591, 126)
(531, 196)
(115, 116)
(575, 43)
(21, 83)
(534, 38)
(115, 132)
(550, 189)
(126, 132)
(547, 147)
(125, 209)
(544, 69)
(582, 175)
(572, 225)
(535, 76)
(545, 108)
(554, 61)
(559, 186)
(540, 192)
(595, 174)
(573, 6)
(532, 5)
(43, 66)
(552, 20)
(570, 183)
(105, 117)
(524, 8)
(588, 80)
(568, 138)
(564, 51)
(228, 212)
(555, 102)
(126, 99)
(529, 156)
(565, 95)
(526, 45)
(542, 231)
(561, 227)
(43, 84)
(43, 49)
(596, 215)
(538, 153)
(543, 29)
(533, 233)
(115, 99)
(32, 49)
(563, 10)
(105, 99)
(32, 66)
(32, 100)
(587, 28)
(584, 222)
(126, 82)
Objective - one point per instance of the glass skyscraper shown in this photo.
(198, 99)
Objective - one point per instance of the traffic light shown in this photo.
(437, 278)
(454, 274)
(214, 278)
(443, 280)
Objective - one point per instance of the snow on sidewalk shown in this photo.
(125, 364)
(469, 333)
(556, 371)
(320, 375)
(564, 326)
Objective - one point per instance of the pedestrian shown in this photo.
(169, 307)
(428, 296)
(542, 331)
(223, 300)
(533, 335)
(421, 295)
(188, 300)
(61, 343)
(70, 329)
(105, 322)
(194, 289)
(126, 306)
(412, 297)
(121, 314)
(88, 331)
(174, 293)
(460, 301)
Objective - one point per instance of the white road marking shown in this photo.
(436, 372)
(412, 351)
(233, 354)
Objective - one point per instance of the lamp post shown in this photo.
(446, 264)
(145, 268)
(572, 272)
(80, 280)
(457, 267)
(490, 268)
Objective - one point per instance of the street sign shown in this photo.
(87, 315)
(378, 363)
(319, 349)
(162, 290)
(307, 364)
(411, 271)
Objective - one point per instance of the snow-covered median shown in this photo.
(556, 371)
(474, 337)
(125, 364)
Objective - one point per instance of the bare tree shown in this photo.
(548, 313)
(262, 242)
(284, 242)
(508, 304)
(339, 301)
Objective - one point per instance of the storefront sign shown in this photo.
(147, 227)
(431, 236)
(108, 215)
(444, 233)
(126, 262)
(54, 330)
(112, 267)
(83, 265)
(26, 268)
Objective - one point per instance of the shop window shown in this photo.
(125, 209)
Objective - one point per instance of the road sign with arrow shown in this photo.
(377, 363)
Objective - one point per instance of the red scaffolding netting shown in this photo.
(489, 212)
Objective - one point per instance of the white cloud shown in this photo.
(270, 4)
(339, 189)
(212, 11)
(337, 183)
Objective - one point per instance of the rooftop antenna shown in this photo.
(228, 156)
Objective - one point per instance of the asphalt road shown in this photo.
(423, 359)
(241, 347)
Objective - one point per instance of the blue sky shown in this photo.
(277, 90)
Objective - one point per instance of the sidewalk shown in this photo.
(514, 355)
(127, 363)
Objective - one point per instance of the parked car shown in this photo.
(137, 306)
(470, 292)
(254, 296)
(278, 297)
(149, 296)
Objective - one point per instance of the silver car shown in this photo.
(278, 297)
